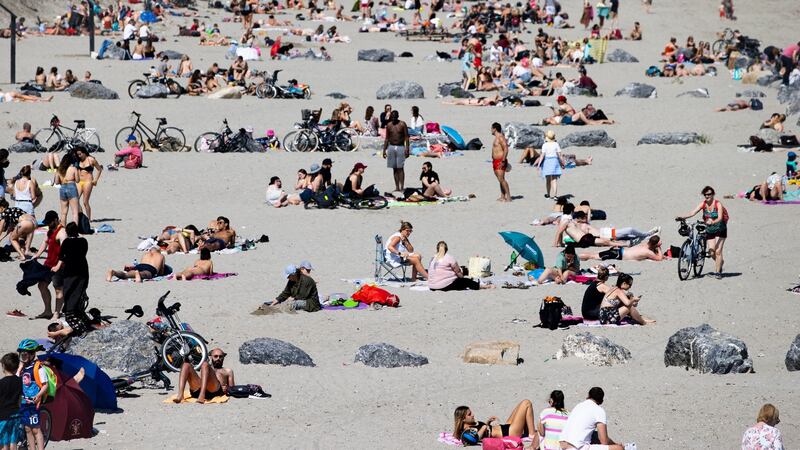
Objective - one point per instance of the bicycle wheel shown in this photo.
(45, 424)
(699, 257)
(288, 141)
(121, 140)
(134, 87)
(685, 260)
(342, 141)
(207, 142)
(183, 346)
(718, 46)
(173, 134)
(355, 139)
(261, 90)
(307, 93)
(51, 139)
(89, 138)
(371, 203)
(306, 141)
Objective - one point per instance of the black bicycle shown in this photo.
(227, 141)
(58, 137)
(693, 249)
(309, 135)
(162, 138)
(269, 88)
(45, 424)
(333, 197)
(173, 87)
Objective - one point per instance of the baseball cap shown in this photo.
(359, 166)
(305, 264)
(132, 138)
(327, 162)
(561, 98)
(289, 270)
(314, 168)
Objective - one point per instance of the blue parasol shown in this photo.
(525, 246)
(96, 384)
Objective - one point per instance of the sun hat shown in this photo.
(314, 169)
(291, 269)
(306, 264)
(550, 135)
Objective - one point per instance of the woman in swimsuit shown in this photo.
(716, 218)
(618, 303)
(86, 166)
(27, 194)
(18, 226)
(594, 294)
(775, 122)
(67, 177)
(481, 101)
(202, 266)
(519, 424)
(14, 96)
(180, 240)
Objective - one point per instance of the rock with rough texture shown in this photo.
(707, 350)
(388, 356)
(273, 351)
(575, 90)
(793, 355)
(124, 346)
(620, 55)
(696, 93)
(597, 350)
(400, 89)
(336, 95)
(766, 80)
(671, 138)
(171, 54)
(376, 55)
(115, 52)
(527, 135)
(770, 136)
(637, 90)
(230, 92)
(454, 90)
(93, 91)
(25, 147)
(588, 138)
(155, 90)
(505, 353)
(751, 93)
(788, 94)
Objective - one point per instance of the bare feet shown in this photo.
(178, 398)
(109, 275)
(201, 400)
(589, 161)
(79, 376)
(138, 277)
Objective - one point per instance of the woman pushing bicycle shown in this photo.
(716, 217)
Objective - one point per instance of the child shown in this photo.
(10, 388)
(32, 394)
(791, 165)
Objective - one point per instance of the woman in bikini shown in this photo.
(519, 424)
(481, 101)
(87, 165)
(202, 266)
(14, 96)
(618, 304)
(211, 82)
(195, 84)
(18, 226)
(716, 218)
(180, 240)
(67, 177)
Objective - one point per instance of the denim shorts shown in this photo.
(68, 191)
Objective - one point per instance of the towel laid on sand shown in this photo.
(446, 437)
(187, 398)
(213, 276)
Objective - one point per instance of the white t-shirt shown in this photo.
(129, 31)
(550, 149)
(582, 422)
(144, 31)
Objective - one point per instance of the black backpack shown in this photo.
(326, 199)
(756, 105)
(84, 226)
(474, 144)
(550, 312)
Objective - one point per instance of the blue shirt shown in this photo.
(29, 387)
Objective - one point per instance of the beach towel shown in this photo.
(446, 437)
(104, 228)
(213, 276)
(166, 276)
(344, 308)
(187, 398)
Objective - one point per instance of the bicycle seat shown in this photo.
(147, 74)
(80, 123)
(161, 120)
(174, 308)
(135, 311)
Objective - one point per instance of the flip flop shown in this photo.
(15, 313)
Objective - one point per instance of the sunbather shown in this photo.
(213, 381)
(180, 239)
(219, 236)
(648, 250)
(618, 303)
(530, 155)
(151, 266)
(567, 265)
(202, 266)
(14, 96)
(736, 105)
(519, 424)
(578, 231)
(480, 101)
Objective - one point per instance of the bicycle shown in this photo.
(124, 384)
(270, 89)
(693, 249)
(56, 139)
(310, 136)
(172, 86)
(155, 138)
(339, 199)
(45, 424)
(227, 141)
(178, 342)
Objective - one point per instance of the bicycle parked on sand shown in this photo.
(693, 249)
(54, 138)
(269, 88)
(172, 86)
(171, 137)
(333, 197)
(227, 141)
(311, 135)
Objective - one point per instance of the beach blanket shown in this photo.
(446, 437)
(213, 276)
(187, 398)
(391, 283)
(579, 321)
(167, 276)
(438, 201)
(344, 308)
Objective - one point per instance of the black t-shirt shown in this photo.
(430, 175)
(614, 5)
(384, 119)
(326, 176)
(592, 298)
(73, 253)
(10, 394)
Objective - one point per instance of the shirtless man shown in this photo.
(580, 231)
(500, 161)
(202, 266)
(25, 134)
(223, 237)
(151, 266)
(396, 149)
(213, 380)
(650, 250)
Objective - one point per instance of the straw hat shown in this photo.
(550, 135)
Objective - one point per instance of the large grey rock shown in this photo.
(788, 94)
(155, 90)
(25, 147)
(454, 90)
(588, 138)
(376, 55)
(597, 350)
(707, 350)
(696, 93)
(575, 90)
(770, 136)
(793, 355)
(671, 138)
(273, 351)
(751, 93)
(637, 90)
(171, 54)
(124, 346)
(766, 80)
(400, 89)
(389, 356)
(115, 52)
(94, 91)
(525, 135)
(620, 55)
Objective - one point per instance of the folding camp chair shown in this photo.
(384, 269)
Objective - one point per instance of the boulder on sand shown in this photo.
(696, 93)
(226, 93)
(376, 55)
(637, 90)
(273, 351)
(620, 55)
(671, 138)
(155, 90)
(707, 350)
(94, 91)
(454, 90)
(400, 89)
(171, 54)
(588, 138)
(597, 350)
(124, 346)
(389, 356)
(504, 353)
(524, 135)
(793, 355)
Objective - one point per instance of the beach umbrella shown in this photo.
(71, 412)
(525, 246)
(454, 136)
(96, 384)
(148, 16)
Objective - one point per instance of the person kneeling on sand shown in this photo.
(301, 289)
(213, 380)
(651, 249)
(151, 266)
(202, 266)
(587, 420)
(445, 274)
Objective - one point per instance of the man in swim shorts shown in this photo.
(222, 238)
(213, 380)
(579, 232)
(151, 266)
(650, 250)
(500, 161)
(396, 149)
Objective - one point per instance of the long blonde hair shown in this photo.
(441, 250)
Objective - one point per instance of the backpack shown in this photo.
(326, 199)
(760, 144)
(756, 105)
(52, 379)
(653, 71)
(133, 162)
(474, 144)
(84, 226)
(550, 312)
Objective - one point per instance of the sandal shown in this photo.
(15, 313)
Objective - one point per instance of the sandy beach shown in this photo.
(342, 404)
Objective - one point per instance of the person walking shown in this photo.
(551, 162)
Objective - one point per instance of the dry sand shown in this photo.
(342, 405)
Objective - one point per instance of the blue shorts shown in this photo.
(29, 415)
(68, 191)
(9, 431)
(306, 194)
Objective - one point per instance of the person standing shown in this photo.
(55, 236)
(396, 149)
(551, 162)
(10, 389)
(500, 163)
(716, 218)
(89, 171)
(75, 279)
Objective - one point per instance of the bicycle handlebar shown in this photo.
(139, 115)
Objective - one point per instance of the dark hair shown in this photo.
(191, 227)
(654, 240)
(558, 400)
(597, 394)
(496, 126)
(569, 250)
(39, 70)
(3, 153)
(205, 254)
(3, 203)
(579, 215)
(561, 201)
(395, 115)
(708, 189)
(224, 219)
(10, 362)
(427, 164)
(25, 171)
(303, 171)
(50, 217)
(415, 110)
(624, 278)
(80, 148)
(585, 203)
(569, 208)
(273, 180)
(369, 112)
(72, 230)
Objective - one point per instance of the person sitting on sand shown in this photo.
(213, 381)
(202, 266)
(301, 289)
(18, 227)
(578, 232)
(648, 250)
(151, 266)
(399, 251)
(445, 274)
(430, 182)
(618, 304)
(636, 32)
(764, 435)
(25, 135)
(567, 265)
(770, 190)
(352, 184)
(670, 50)
(276, 196)
(567, 115)
(130, 157)
(775, 122)
(594, 294)
(311, 184)
(587, 423)
(519, 424)
(220, 235)
(239, 70)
